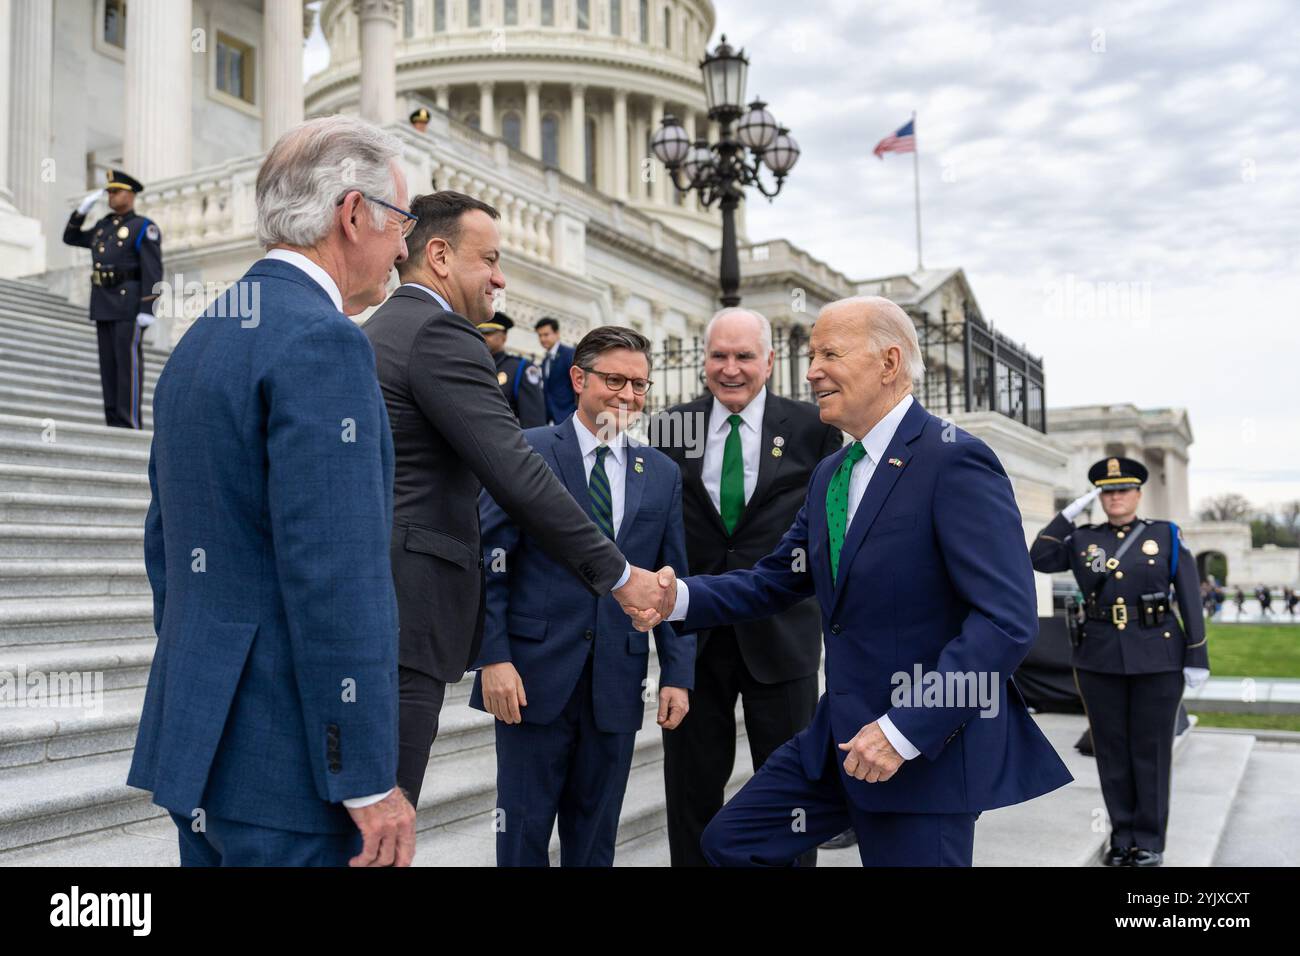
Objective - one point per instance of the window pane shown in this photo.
(591, 150)
(548, 13)
(115, 22)
(408, 17)
(475, 11)
(512, 13)
(616, 17)
(550, 141)
(439, 15)
(645, 21)
(668, 29)
(472, 121)
(584, 14)
(236, 87)
(510, 129)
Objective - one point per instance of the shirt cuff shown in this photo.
(627, 573)
(896, 738)
(356, 803)
(682, 604)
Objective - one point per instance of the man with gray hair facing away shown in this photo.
(269, 728)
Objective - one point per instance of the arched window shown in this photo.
(645, 21)
(591, 150)
(668, 29)
(510, 129)
(472, 121)
(550, 140)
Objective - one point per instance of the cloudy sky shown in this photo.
(1149, 148)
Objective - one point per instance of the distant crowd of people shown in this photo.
(1214, 595)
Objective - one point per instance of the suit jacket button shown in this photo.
(588, 635)
(835, 628)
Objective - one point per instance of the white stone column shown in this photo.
(378, 59)
(442, 97)
(32, 52)
(533, 119)
(22, 246)
(6, 194)
(487, 112)
(282, 70)
(578, 131)
(659, 192)
(692, 198)
(620, 145)
(159, 64)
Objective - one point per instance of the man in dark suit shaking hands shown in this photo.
(742, 487)
(911, 541)
(454, 433)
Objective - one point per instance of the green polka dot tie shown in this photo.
(837, 503)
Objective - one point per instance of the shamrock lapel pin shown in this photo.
(639, 466)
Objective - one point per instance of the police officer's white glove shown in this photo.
(145, 319)
(1080, 504)
(89, 201)
(1194, 677)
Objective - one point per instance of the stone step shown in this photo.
(31, 541)
(1206, 778)
(57, 579)
(17, 400)
(91, 723)
(26, 327)
(42, 432)
(67, 452)
(44, 355)
(29, 508)
(124, 664)
(60, 382)
(40, 479)
(49, 620)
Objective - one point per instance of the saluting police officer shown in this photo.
(1131, 655)
(519, 378)
(127, 254)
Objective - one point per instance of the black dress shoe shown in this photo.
(1116, 856)
(846, 839)
(1084, 744)
(1141, 857)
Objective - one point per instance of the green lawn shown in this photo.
(1250, 721)
(1254, 650)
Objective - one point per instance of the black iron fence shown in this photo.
(969, 368)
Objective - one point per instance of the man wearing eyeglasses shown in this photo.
(563, 671)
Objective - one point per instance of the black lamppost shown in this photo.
(720, 171)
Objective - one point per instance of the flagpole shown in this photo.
(916, 179)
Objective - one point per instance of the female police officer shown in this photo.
(1132, 657)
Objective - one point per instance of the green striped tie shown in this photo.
(837, 504)
(602, 503)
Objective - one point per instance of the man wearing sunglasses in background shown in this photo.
(562, 670)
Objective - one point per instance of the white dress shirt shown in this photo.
(549, 360)
(874, 442)
(315, 272)
(751, 437)
(323, 279)
(615, 467)
(437, 298)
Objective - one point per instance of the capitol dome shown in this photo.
(579, 85)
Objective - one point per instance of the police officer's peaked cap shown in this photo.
(420, 116)
(1118, 473)
(116, 179)
(500, 322)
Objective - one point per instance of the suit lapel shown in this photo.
(633, 486)
(569, 457)
(774, 418)
(694, 471)
(882, 483)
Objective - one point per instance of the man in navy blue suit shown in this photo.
(560, 403)
(911, 541)
(563, 670)
(269, 728)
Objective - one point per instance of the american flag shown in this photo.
(902, 140)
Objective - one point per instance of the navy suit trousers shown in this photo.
(567, 768)
(780, 814)
(231, 843)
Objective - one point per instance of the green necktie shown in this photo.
(731, 494)
(602, 504)
(837, 503)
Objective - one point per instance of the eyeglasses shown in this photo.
(408, 221)
(615, 382)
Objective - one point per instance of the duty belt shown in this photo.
(108, 278)
(1112, 613)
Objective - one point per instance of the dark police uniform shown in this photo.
(127, 254)
(1129, 657)
(520, 379)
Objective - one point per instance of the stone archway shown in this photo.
(1213, 563)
